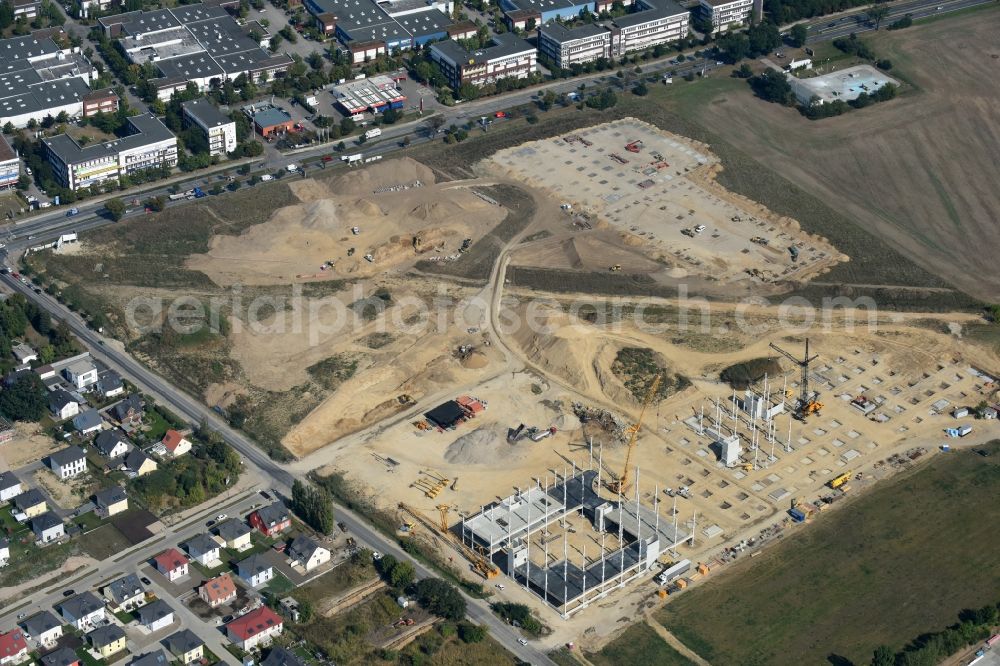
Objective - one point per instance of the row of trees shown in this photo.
(758, 40)
(313, 505)
(974, 626)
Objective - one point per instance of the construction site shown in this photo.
(657, 193)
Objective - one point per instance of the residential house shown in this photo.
(62, 405)
(155, 658)
(271, 520)
(109, 384)
(176, 444)
(88, 422)
(112, 443)
(217, 591)
(172, 564)
(128, 412)
(82, 611)
(307, 553)
(61, 657)
(138, 463)
(185, 646)
(125, 593)
(43, 628)
(10, 486)
(4, 552)
(204, 549)
(81, 373)
(13, 647)
(68, 462)
(256, 628)
(29, 504)
(111, 501)
(279, 656)
(48, 527)
(24, 353)
(156, 615)
(107, 640)
(235, 534)
(255, 570)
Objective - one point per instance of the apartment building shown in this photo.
(151, 144)
(566, 47)
(724, 13)
(219, 129)
(508, 57)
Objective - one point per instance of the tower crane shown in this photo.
(620, 485)
(807, 403)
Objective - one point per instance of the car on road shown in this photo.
(522, 641)
(327, 158)
(376, 555)
(499, 586)
(69, 593)
(219, 518)
(21, 616)
(72, 211)
(146, 581)
(264, 494)
(266, 177)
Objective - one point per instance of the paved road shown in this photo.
(281, 479)
(822, 30)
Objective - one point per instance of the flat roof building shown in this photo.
(151, 144)
(375, 94)
(726, 13)
(10, 165)
(218, 128)
(508, 57)
(39, 78)
(566, 47)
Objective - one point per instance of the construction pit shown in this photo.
(658, 206)
(908, 374)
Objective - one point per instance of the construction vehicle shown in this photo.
(838, 481)
(480, 564)
(615, 268)
(621, 484)
(633, 146)
(807, 403)
(747, 467)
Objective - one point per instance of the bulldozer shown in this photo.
(615, 268)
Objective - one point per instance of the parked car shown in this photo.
(69, 593)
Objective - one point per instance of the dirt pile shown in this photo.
(482, 446)
(384, 174)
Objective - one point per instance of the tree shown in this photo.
(883, 656)
(471, 633)
(24, 400)
(772, 86)
(156, 204)
(313, 505)
(441, 598)
(640, 89)
(116, 208)
(798, 34)
(876, 13)
(397, 574)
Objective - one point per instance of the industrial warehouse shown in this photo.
(504, 531)
(375, 94)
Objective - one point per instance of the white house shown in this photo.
(255, 570)
(48, 527)
(110, 384)
(125, 593)
(112, 443)
(172, 564)
(156, 615)
(81, 373)
(175, 444)
(307, 553)
(10, 486)
(68, 462)
(62, 405)
(256, 628)
(4, 552)
(43, 628)
(203, 549)
(82, 611)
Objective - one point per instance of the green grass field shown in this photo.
(638, 645)
(900, 560)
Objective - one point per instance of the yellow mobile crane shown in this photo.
(620, 485)
(482, 565)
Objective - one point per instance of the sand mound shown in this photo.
(380, 174)
(567, 422)
(482, 446)
(367, 208)
(475, 361)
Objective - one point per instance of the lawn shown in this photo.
(279, 586)
(898, 561)
(27, 561)
(638, 645)
(342, 577)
